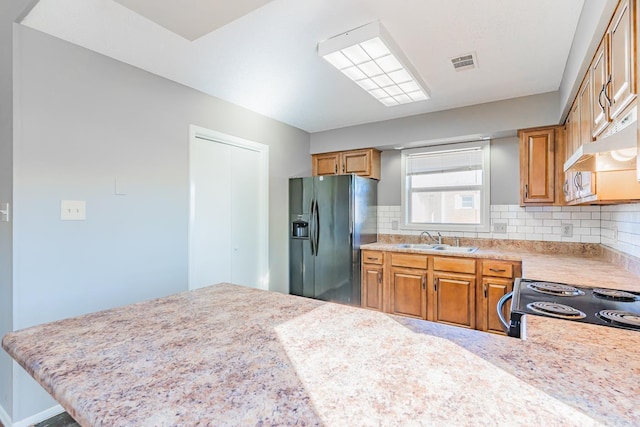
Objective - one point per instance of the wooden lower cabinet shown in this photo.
(372, 291)
(494, 288)
(408, 292)
(497, 280)
(459, 291)
(454, 301)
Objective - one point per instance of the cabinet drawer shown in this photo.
(458, 265)
(409, 260)
(372, 257)
(497, 269)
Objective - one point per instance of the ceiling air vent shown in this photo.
(464, 62)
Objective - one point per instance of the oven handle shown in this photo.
(501, 303)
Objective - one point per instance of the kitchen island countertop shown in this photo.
(229, 355)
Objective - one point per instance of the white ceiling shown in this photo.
(262, 54)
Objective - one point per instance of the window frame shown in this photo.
(485, 191)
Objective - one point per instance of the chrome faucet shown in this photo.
(438, 240)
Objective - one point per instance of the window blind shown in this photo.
(444, 161)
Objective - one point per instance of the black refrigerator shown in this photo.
(329, 218)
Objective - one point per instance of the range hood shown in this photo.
(617, 150)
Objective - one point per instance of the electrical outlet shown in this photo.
(567, 230)
(500, 227)
(394, 225)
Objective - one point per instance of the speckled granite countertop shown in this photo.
(582, 270)
(228, 355)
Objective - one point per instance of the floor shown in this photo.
(62, 420)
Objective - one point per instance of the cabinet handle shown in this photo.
(435, 284)
(526, 191)
(606, 95)
(600, 98)
(485, 290)
(497, 270)
(424, 282)
(370, 258)
(336, 169)
(343, 168)
(379, 277)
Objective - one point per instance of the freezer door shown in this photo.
(301, 262)
(332, 227)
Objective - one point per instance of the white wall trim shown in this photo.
(263, 151)
(37, 418)
(4, 417)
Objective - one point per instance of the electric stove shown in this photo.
(598, 306)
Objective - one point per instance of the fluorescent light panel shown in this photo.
(375, 64)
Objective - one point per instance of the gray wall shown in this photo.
(505, 171)
(505, 174)
(6, 184)
(85, 119)
(496, 119)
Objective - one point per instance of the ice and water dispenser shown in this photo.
(300, 227)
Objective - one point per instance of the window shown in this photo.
(446, 187)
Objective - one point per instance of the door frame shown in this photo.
(262, 240)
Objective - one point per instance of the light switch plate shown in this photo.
(4, 212)
(73, 210)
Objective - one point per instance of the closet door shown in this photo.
(227, 214)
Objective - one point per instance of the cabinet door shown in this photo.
(372, 286)
(494, 288)
(621, 89)
(599, 74)
(537, 166)
(455, 299)
(358, 162)
(325, 164)
(408, 292)
(583, 132)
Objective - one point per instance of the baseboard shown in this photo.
(39, 417)
(4, 418)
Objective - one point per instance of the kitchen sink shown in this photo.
(414, 246)
(437, 247)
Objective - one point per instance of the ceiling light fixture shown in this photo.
(369, 57)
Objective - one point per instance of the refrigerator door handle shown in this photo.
(311, 227)
(316, 227)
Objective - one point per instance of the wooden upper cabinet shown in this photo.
(621, 36)
(365, 162)
(537, 166)
(613, 69)
(582, 133)
(599, 75)
(325, 164)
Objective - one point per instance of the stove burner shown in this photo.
(616, 295)
(554, 309)
(620, 318)
(555, 289)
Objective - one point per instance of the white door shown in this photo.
(228, 218)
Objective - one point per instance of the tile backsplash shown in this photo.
(616, 226)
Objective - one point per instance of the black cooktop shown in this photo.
(599, 306)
